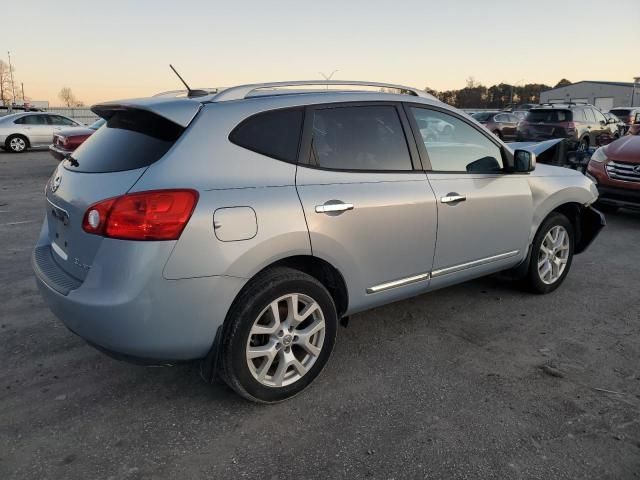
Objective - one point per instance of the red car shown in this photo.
(615, 169)
(67, 140)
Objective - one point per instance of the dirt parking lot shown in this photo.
(475, 381)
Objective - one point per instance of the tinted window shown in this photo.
(58, 120)
(549, 116)
(359, 138)
(130, 139)
(502, 118)
(32, 120)
(275, 134)
(578, 115)
(622, 113)
(464, 150)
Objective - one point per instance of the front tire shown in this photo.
(551, 254)
(16, 144)
(278, 335)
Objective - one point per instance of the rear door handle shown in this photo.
(334, 207)
(453, 198)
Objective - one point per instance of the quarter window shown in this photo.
(275, 133)
(359, 138)
(462, 149)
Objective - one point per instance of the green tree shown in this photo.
(562, 83)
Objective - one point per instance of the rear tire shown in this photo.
(278, 335)
(551, 254)
(16, 144)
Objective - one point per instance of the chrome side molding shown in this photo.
(398, 283)
(474, 263)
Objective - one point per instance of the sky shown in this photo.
(113, 49)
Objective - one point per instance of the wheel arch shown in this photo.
(586, 221)
(21, 135)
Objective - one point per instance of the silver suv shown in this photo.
(238, 227)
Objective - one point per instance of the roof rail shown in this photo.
(241, 92)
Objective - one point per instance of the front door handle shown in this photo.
(453, 198)
(334, 207)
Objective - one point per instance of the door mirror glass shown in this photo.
(524, 161)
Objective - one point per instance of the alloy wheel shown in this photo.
(17, 144)
(553, 254)
(285, 340)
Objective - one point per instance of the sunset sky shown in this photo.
(116, 49)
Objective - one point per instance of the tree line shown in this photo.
(476, 95)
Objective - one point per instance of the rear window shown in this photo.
(549, 116)
(621, 113)
(130, 139)
(275, 133)
(483, 116)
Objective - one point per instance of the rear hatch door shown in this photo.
(107, 165)
(547, 123)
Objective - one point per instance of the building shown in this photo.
(604, 95)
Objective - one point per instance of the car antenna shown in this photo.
(190, 92)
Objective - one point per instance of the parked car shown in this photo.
(67, 140)
(629, 115)
(21, 131)
(501, 124)
(581, 124)
(615, 168)
(237, 228)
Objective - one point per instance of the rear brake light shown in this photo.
(152, 215)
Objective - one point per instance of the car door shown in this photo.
(368, 206)
(484, 214)
(602, 125)
(37, 128)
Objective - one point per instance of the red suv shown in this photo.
(615, 169)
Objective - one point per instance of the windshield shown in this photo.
(548, 116)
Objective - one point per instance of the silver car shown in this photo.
(21, 131)
(237, 228)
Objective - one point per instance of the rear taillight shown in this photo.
(152, 215)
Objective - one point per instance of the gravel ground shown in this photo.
(475, 381)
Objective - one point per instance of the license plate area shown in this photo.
(60, 230)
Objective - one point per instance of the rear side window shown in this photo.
(549, 116)
(32, 120)
(275, 133)
(359, 138)
(130, 139)
(578, 115)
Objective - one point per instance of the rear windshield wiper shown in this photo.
(72, 161)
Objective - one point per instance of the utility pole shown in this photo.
(328, 77)
(13, 86)
(22, 85)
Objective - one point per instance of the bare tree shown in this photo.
(5, 84)
(67, 97)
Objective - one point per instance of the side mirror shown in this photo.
(603, 123)
(524, 161)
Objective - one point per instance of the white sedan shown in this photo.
(21, 131)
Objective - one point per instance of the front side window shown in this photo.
(359, 138)
(589, 113)
(464, 149)
(275, 133)
(599, 116)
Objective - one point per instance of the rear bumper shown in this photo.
(59, 153)
(129, 310)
